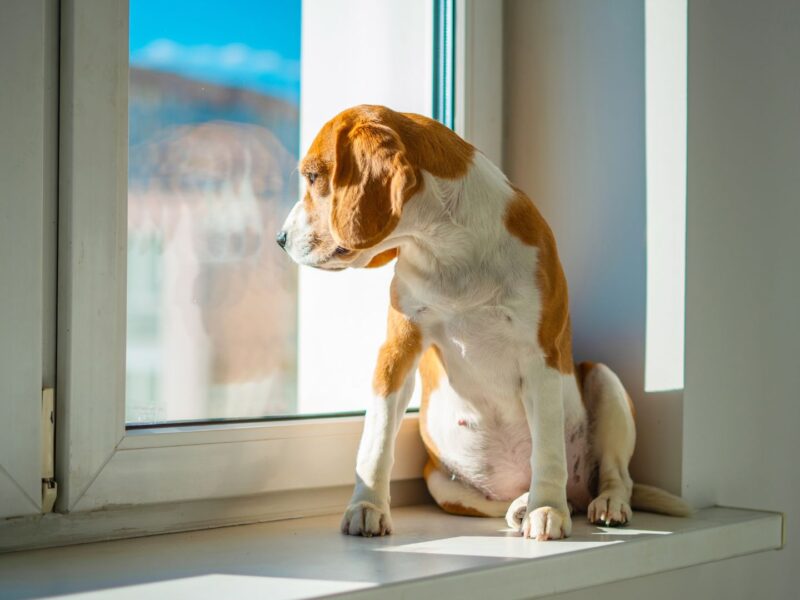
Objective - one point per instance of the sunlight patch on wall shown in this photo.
(665, 48)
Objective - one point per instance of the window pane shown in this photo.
(342, 316)
(214, 140)
(220, 322)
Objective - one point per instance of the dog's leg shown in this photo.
(547, 516)
(368, 511)
(458, 498)
(613, 439)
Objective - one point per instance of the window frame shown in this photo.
(28, 171)
(100, 463)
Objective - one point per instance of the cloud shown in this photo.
(234, 64)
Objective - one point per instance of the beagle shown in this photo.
(479, 306)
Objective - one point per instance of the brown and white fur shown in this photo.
(479, 305)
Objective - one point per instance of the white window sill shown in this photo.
(431, 555)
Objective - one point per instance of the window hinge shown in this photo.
(49, 485)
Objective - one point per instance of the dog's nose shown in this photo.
(281, 239)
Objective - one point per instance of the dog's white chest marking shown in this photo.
(476, 416)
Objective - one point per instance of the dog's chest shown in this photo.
(489, 340)
(484, 346)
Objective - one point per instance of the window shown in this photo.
(214, 139)
(193, 220)
(120, 115)
(220, 324)
(400, 37)
(28, 172)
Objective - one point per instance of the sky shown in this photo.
(254, 44)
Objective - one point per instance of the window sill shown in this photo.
(431, 555)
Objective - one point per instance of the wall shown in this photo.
(743, 282)
(575, 143)
(741, 409)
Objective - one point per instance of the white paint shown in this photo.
(28, 179)
(432, 555)
(665, 64)
(294, 456)
(92, 213)
(354, 52)
(123, 522)
(743, 281)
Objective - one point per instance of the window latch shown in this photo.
(49, 485)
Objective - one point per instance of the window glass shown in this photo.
(214, 135)
(342, 316)
(221, 324)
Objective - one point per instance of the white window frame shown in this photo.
(100, 464)
(28, 171)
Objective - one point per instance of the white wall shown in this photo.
(742, 407)
(377, 53)
(575, 141)
(742, 376)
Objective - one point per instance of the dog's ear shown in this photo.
(372, 180)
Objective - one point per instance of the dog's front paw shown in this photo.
(366, 519)
(610, 510)
(546, 523)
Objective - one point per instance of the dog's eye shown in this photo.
(312, 177)
(340, 251)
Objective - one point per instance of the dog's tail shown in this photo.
(652, 499)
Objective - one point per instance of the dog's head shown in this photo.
(358, 178)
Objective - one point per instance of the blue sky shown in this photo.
(253, 44)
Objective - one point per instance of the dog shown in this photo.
(479, 305)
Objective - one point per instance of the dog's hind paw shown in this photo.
(609, 510)
(366, 519)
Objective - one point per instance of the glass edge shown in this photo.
(443, 100)
(252, 420)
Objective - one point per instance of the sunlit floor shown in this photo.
(430, 554)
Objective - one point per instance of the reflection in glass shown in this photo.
(214, 136)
